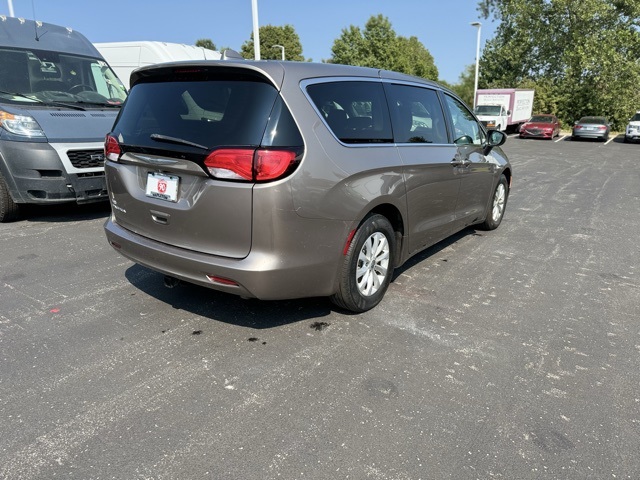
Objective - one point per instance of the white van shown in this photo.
(125, 57)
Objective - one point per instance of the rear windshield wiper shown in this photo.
(164, 138)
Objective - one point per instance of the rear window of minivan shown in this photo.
(209, 113)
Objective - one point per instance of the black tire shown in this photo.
(498, 205)
(8, 208)
(365, 274)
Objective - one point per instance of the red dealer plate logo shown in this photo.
(162, 186)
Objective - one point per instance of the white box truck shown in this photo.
(125, 57)
(504, 108)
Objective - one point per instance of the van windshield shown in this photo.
(42, 76)
(488, 110)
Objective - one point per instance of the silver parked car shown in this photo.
(279, 180)
(597, 128)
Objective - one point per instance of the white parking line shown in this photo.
(610, 140)
(561, 138)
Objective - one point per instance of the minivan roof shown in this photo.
(298, 71)
(35, 35)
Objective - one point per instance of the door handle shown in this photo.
(160, 217)
(460, 162)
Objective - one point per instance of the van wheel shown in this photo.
(8, 208)
(368, 266)
(498, 204)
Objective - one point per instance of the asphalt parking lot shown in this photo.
(508, 354)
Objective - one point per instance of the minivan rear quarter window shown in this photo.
(356, 111)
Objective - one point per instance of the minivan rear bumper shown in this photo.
(308, 272)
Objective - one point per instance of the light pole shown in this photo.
(281, 50)
(256, 29)
(10, 8)
(475, 85)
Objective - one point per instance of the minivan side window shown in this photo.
(466, 129)
(416, 114)
(355, 111)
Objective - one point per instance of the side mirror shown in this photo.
(508, 112)
(464, 140)
(495, 139)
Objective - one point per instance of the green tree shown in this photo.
(582, 57)
(466, 84)
(378, 46)
(414, 59)
(206, 43)
(271, 35)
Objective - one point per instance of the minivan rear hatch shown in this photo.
(161, 181)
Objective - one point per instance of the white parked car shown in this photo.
(632, 133)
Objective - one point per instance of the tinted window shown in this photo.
(208, 113)
(356, 112)
(416, 114)
(466, 129)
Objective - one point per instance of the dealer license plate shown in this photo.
(162, 186)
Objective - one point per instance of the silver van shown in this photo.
(58, 99)
(278, 180)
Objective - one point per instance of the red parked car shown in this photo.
(541, 126)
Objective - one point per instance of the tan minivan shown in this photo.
(278, 180)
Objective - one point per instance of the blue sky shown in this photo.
(442, 26)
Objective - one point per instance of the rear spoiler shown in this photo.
(229, 54)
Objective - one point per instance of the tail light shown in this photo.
(232, 164)
(249, 164)
(111, 148)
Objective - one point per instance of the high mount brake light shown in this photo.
(111, 148)
(187, 70)
(249, 164)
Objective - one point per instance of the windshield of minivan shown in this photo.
(43, 76)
